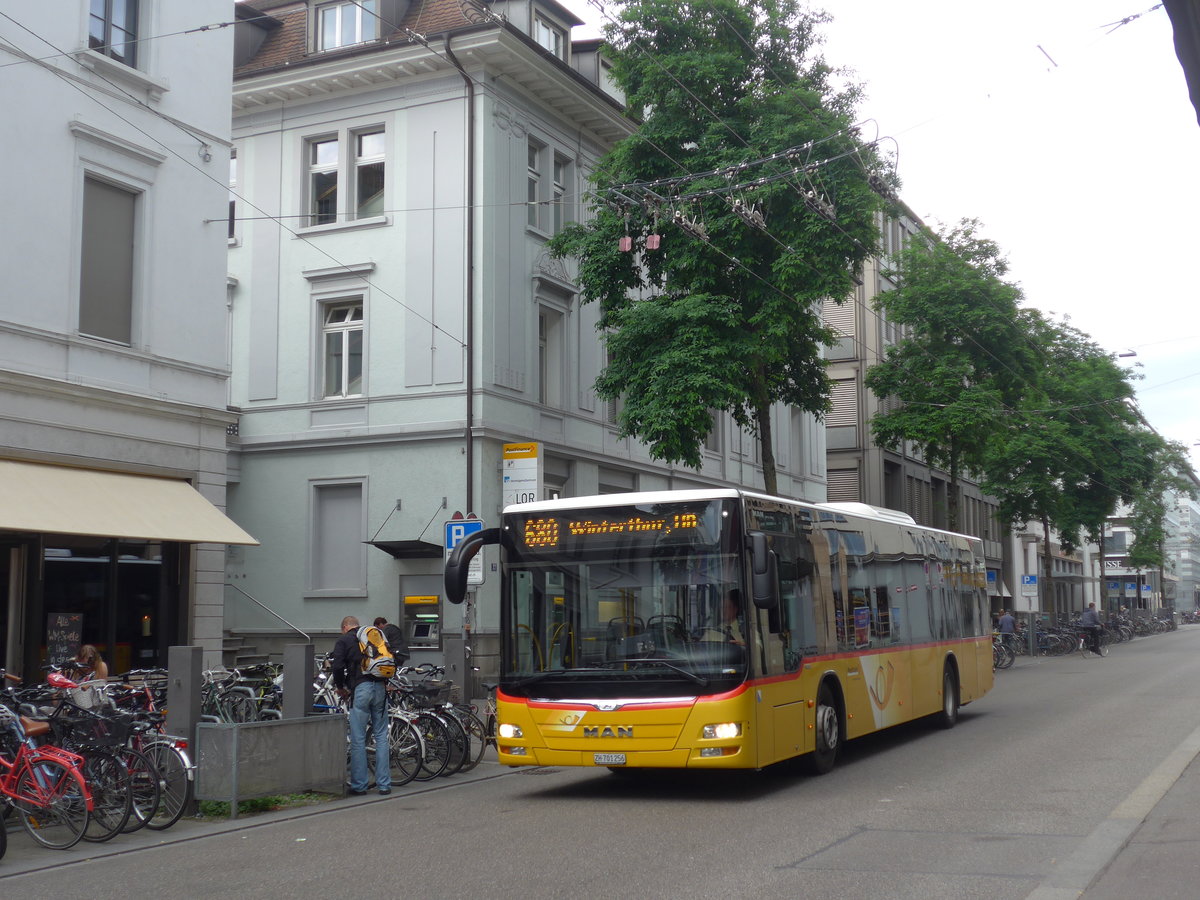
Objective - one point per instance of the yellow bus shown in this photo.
(724, 628)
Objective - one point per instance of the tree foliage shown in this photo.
(963, 361)
(731, 322)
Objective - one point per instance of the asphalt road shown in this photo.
(987, 810)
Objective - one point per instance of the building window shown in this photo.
(549, 201)
(533, 194)
(366, 178)
(336, 549)
(559, 211)
(112, 29)
(232, 194)
(608, 82)
(323, 181)
(342, 354)
(550, 356)
(550, 36)
(107, 261)
(712, 440)
(343, 24)
(368, 174)
(612, 408)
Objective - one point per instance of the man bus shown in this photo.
(616, 644)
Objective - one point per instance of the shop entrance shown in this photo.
(122, 596)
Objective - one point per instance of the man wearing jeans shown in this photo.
(368, 706)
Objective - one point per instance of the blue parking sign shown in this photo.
(458, 529)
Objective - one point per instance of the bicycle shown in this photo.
(44, 784)
(166, 754)
(1084, 644)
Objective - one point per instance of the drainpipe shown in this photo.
(469, 438)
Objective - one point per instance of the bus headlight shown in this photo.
(508, 731)
(722, 731)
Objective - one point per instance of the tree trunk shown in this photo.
(952, 497)
(766, 444)
(1047, 568)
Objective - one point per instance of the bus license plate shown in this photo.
(608, 759)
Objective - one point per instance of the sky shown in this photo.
(1071, 138)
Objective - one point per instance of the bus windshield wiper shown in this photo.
(661, 662)
(549, 673)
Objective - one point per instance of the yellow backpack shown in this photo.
(377, 659)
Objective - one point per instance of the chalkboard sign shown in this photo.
(64, 631)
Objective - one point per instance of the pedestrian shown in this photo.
(89, 664)
(394, 636)
(1008, 627)
(1091, 621)
(367, 698)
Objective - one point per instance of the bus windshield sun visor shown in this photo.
(455, 578)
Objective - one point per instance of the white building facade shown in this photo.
(397, 319)
(113, 344)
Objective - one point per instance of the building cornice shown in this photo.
(493, 52)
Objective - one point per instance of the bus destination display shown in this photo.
(546, 532)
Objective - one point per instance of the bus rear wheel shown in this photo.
(828, 733)
(948, 717)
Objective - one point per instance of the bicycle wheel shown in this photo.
(238, 707)
(52, 804)
(458, 742)
(174, 782)
(108, 780)
(436, 742)
(476, 737)
(407, 750)
(144, 781)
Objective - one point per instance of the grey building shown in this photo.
(113, 344)
(397, 320)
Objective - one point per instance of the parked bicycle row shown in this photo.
(1073, 637)
(89, 761)
(430, 733)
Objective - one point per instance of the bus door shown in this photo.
(779, 638)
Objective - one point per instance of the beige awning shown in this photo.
(65, 500)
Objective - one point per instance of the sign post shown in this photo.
(522, 473)
(1029, 592)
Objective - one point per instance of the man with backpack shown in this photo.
(353, 655)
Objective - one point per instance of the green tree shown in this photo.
(725, 315)
(963, 360)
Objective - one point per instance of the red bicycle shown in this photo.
(45, 784)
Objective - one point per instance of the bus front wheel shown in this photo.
(828, 733)
(948, 717)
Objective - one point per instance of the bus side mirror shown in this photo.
(455, 577)
(764, 572)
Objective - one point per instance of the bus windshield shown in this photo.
(623, 601)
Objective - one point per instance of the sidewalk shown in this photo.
(1149, 846)
(25, 855)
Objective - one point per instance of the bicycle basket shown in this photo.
(89, 697)
(433, 693)
(103, 731)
